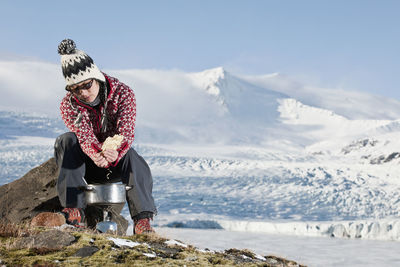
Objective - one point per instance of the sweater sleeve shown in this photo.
(77, 120)
(126, 120)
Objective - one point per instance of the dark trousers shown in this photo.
(75, 167)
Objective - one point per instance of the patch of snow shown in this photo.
(174, 242)
(150, 255)
(205, 250)
(257, 256)
(123, 242)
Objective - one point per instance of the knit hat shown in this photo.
(76, 65)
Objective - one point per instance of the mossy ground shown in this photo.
(111, 255)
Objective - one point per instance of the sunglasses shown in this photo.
(85, 86)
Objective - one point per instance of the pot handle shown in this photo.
(89, 188)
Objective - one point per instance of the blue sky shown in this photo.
(351, 45)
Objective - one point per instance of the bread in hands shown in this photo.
(112, 143)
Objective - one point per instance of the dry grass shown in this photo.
(15, 230)
(149, 238)
(44, 251)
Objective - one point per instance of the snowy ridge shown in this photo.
(390, 127)
(243, 100)
(373, 230)
(350, 104)
(325, 123)
(295, 112)
(210, 80)
(376, 230)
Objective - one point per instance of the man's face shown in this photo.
(86, 91)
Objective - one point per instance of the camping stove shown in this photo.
(107, 197)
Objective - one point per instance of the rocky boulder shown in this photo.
(48, 219)
(53, 239)
(23, 199)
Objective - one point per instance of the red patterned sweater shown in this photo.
(85, 121)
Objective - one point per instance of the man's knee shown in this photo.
(65, 140)
(130, 154)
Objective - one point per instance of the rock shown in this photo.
(165, 251)
(23, 199)
(35, 192)
(53, 239)
(86, 251)
(48, 219)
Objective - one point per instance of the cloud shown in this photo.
(165, 97)
(31, 86)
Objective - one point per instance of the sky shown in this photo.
(351, 45)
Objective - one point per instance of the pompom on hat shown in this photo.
(76, 65)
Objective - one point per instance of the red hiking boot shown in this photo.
(74, 216)
(143, 226)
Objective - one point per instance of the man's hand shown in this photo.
(110, 155)
(100, 161)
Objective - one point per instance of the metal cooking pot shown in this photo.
(106, 194)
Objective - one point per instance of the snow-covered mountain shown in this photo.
(240, 151)
(350, 104)
(242, 100)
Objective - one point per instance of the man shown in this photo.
(97, 106)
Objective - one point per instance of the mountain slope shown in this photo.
(350, 104)
(243, 101)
